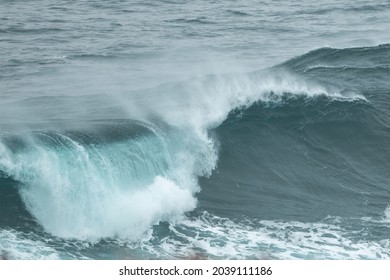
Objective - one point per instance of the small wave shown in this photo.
(199, 20)
(14, 30)
(344, 9)
(368, 8)
(238, 13)
(360, 57)
(87, 56)
(324, 66)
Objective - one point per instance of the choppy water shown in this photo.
(181, 129)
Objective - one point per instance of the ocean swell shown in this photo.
(89, 183)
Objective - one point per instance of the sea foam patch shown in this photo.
(22, 246)
(210, 236)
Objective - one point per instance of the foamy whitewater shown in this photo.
(174, 130)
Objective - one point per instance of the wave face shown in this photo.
(321, 152)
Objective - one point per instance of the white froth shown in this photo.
(15, 245)
(114, 191)
(220, 238)
(387, 213)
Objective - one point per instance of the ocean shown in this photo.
(173, 129)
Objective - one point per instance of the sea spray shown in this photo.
(91, 191)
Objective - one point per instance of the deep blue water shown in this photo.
(206, 129)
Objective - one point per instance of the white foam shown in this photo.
(117, 190)
(122, 214)
(204, 102)
(387, 214)
(16, 245)
(214, 237)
